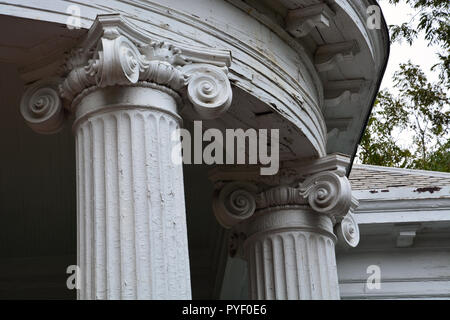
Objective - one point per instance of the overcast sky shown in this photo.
(419, 53)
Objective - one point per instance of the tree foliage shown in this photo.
(416, 107)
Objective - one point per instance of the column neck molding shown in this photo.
(144, 84)
(117, 53)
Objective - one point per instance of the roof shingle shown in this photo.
(368, 177)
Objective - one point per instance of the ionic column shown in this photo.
(287, 233)
(125, 91)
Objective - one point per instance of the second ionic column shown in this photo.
(287, 228)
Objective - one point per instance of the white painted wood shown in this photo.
(442, 216)
(406, 273)
(132, 241)
(404, 193)
(300, 22)
(338, 92)
(285, 232)
(293, 264)
(400, 205)
(328, 57)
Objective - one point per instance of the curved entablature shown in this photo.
(348, 43)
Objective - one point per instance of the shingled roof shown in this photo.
(368, 177)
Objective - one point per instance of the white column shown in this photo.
(132, 236)
(125, 89)
(291, 256)
(286, 233)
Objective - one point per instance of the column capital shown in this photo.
(117, 53)
(325, 193)
(319, 186)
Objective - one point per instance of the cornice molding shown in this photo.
(300, 22)
(327, 57)
(290, 171)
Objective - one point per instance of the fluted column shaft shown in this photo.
(291, 255)
(132, 237)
